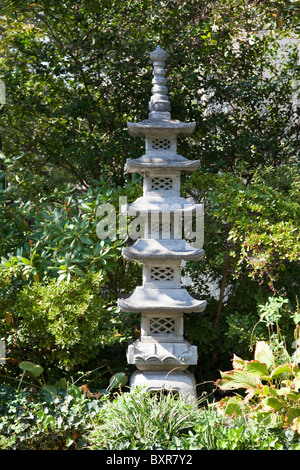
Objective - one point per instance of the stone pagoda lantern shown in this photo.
(162, 355)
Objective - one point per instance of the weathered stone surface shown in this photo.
(154, 127)
(161, 300)
(178, 381)
(140, 165)
(162, 356)
(146, 249)
(158, 204)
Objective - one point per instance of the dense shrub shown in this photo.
(251, 257)
(63, 323)
(59, 286)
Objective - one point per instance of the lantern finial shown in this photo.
(159, 105)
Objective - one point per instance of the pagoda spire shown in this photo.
(159, 105)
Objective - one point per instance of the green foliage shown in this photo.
(62, 323)
(215, 431)
(117, 381)
(259, 218)
(140, 421)
(271, 388)
(60, 238)
(143, 421)
(64, 416)
(59, 286)
(276, 323)
(55, 419)
(75, 73)
(251, 251)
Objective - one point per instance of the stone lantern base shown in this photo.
(178, 381)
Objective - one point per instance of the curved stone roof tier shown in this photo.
(146, 204)
(146, 163)
(170, 127)
(150, 249)
(160, 300)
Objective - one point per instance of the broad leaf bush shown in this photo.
(65, 145)
(62, 153)
(216, 431)
(272, 390)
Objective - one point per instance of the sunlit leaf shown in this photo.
(274, 403)
(282, 369)
(257, 368)
(296, 425)
(237, 379)
(263, 353)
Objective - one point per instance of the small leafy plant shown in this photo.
(272, 391)
(55, 418)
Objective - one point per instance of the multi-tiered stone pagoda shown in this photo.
(162, 355)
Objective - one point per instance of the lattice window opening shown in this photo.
(161, 144)
(161, 183)
(165, 226)
(162, 326)
(162, 274)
